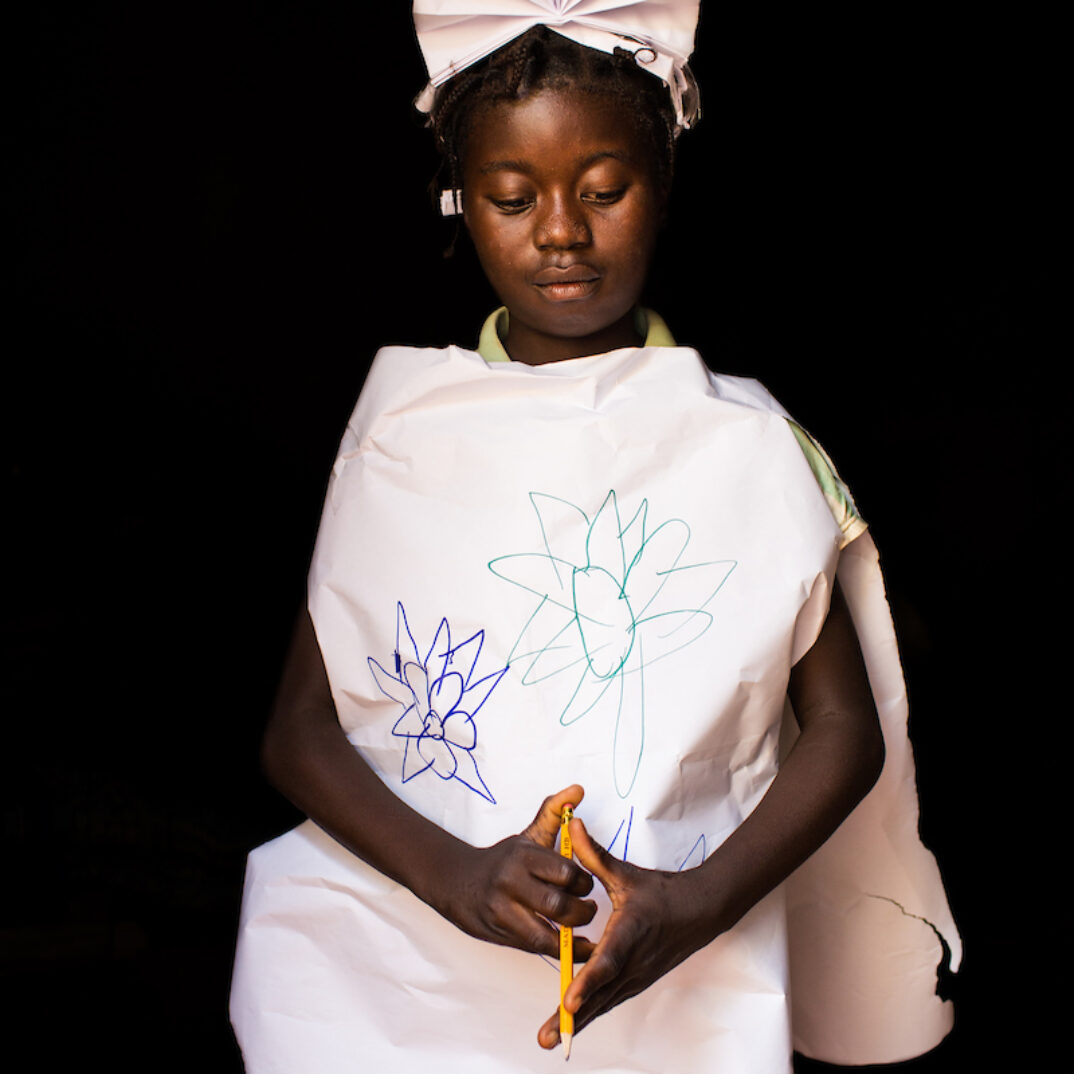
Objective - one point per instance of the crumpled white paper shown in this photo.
(455, 34)
(595, 571)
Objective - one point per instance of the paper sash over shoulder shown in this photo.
(513, 591)
(455, 34)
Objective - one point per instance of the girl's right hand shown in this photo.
(513, 893)
(516, 892)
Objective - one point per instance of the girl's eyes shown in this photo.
(604, 197)
(512, 206)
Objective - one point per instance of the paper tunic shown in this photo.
(596, 571)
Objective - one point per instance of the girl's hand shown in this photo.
(516, 892)
(658, 920)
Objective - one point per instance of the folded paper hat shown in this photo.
(455, 34)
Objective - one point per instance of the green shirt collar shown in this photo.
(649, 324)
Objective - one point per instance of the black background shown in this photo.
(218, 211)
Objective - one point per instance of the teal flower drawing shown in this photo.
(613, 595)
(441, 693)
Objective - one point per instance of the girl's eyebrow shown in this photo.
(526, 168)
(506, 166)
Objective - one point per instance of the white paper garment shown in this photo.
(455, 34)
(597, 571)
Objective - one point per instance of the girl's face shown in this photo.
(563, 208)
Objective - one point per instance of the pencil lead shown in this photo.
(566, 1046)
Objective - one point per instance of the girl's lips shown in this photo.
(565, 292)
(567, 283)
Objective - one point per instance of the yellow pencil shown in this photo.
(566, 944)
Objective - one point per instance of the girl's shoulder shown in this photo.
(747, 391)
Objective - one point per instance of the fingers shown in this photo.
(530, 932)
(607, 964)
(604, 970)
(543, 888)
(602, 982)
(544, 829)
(529, 891)
(599, 1003)
(567, 877)
(548, 1034)
(554, 889)
(592, 856)
(521, 928)
(583, 949)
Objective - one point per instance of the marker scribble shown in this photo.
(695, 856)
(612, 599)
(440, 694)
(628, 822)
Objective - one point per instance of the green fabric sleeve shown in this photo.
(841, 503)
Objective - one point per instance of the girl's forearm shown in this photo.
(834, 762)
(307, 757)
(505, 893)
(827, 772)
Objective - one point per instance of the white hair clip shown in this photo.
(455, 34)
(450, 202)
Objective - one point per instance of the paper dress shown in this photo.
(596, 571)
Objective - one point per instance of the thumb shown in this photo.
(594, 858)
(544, 828)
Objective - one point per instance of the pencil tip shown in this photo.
(566, 1046)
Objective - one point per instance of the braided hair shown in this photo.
(541, 59)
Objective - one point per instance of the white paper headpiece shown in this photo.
(455, 34)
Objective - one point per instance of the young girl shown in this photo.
(574, 567)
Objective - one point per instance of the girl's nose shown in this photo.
(561, 225)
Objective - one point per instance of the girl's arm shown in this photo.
(659, 918)
(506, 893)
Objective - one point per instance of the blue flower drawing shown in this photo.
(441, 694)
(614, 594)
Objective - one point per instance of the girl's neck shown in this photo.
(532, 347)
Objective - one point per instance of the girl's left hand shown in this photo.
(658, 920)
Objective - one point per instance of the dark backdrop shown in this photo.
(218, 211)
